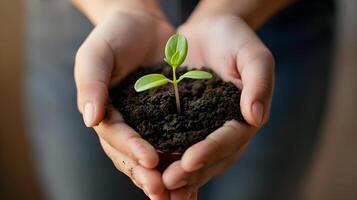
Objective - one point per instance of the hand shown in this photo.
(118, 44)
(228, 46)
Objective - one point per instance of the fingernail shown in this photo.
(88, 114)
(179, 185)
(258, 112)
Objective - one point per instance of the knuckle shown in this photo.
(235, 143)
(223, 168)
(80, 53)
(195, 177)
(126, 167)
(265, 88)
(134, 139)
(131, 173)
(265, 52)
(77, 62)
(227, 21)
(136, 142)
(263, 58)
(217, 144)
(269, 55)
(104, 133)
(117, 164)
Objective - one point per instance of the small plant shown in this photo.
(175, 54)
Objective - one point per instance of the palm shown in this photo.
(219, 48)
(133, 40)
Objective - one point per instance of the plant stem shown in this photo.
(177, 99)
(178, 106)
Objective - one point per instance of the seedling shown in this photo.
(175, 54)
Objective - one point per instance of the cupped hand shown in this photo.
(118, 44)
(228, 46)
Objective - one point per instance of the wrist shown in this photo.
(97, 10)
(253, 12)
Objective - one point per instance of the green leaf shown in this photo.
(176, 50)
(196, 74)
(150, 81)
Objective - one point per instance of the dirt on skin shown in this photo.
(205, 106)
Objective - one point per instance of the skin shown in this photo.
(120, 42)
(132, 33)
(242, 60)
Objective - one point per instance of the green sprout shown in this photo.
(175, 54)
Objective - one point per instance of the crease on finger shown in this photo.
(125, 139)
(112, 117)
(123, 163)
(194, 196)
(219, 145)
(209, 172)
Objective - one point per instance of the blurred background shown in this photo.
(333, 174)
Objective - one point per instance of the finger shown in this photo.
(194, 196)
(164, 196)
(181, 194)
(201, 177)
(176, 174)
(93, 67)
(220, 144)
(256, 66)
(174, 177)
(148, 180)
(123, 138)
(123, 163)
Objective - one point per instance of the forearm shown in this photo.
(254, 12)
(96, 10)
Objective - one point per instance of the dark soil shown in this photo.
(206, 105)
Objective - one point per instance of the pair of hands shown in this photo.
(126, 40)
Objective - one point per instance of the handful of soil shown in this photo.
(205, 106)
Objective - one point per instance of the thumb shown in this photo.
(93, 67)
(256, 66)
